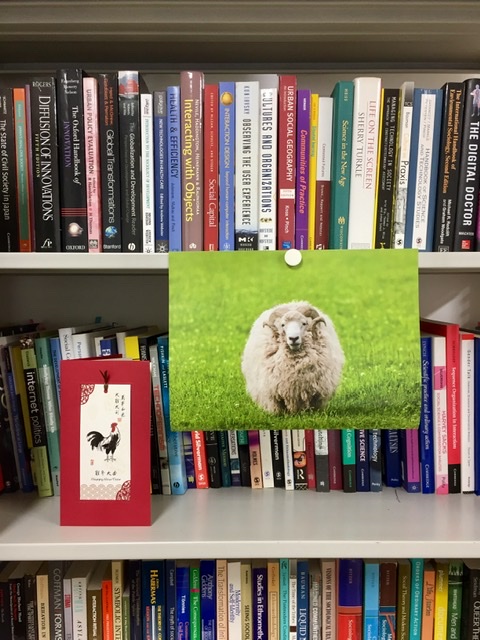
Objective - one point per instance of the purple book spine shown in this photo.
(350, 581)
(410, 460)
(259, 582)
(303, 163)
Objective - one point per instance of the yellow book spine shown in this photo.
(379, 158)
(132, 349)
(441, 601)
(312, 171)
(17, 364)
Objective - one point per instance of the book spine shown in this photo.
(31, 631)
(388, 600)
(322, 480)
(267, 221)
(170, 600)
(287, 127)
(234, 601)
(9, 228)
(476, 418)
(350, 598)
(403, 599)
(315, 630)
(375, 459)
(450, 150)
(365, 131)
(183, 601)
(349, 461)
(441, 600)
(79, 607)
(174, 175)
(188, 455)
(135, 581)
(92, 164)
(160, 160)
(428, 605)
(302, 168)
(191, 99)
(312, 171)
(392, 476)
(67, 609)
(211, 168)
(221, 609)
(299, 460)
(454, 607)
(17, 606)
(246, 597)
(310, 454)
(371, 590)
(427, 460)
(160, 419)
(226, 190)
(323, 178)
(130, 167)
(362, 466)
(403, 163)
(277, 458)
(23, 183)
(28, 119)
(410, 461)
(387, 169)
(244, 458)
(266, 458)
(200, 459)
(335, 472)
(153, 604)
(208, 600)
(341, 164)
(273, 600)
(247, 129)
(43, 613)
(147, 172)
(56, 570)
(46, 183)
(284, 599)
(466, 231)
(440, 436)
(8, 454)
(213, 459)
(303, 604)
(467, 410)
(292, 591)
(73, 195)
(416, 599)
(234, 458)
(259, 600)
(288, 460)
(109, 137)
(255, 459)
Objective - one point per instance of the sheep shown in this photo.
(292, 361)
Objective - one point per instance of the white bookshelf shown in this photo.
(320, 41)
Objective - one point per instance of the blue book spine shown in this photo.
(391, 458)
(224, 458)
(284, 613)
(135, 582)
(174, 175)
(424, 154)
(427, 458)
(303, 600)
(171, 599)
(362, 466)
(476, 441)
(56, 358)
(375, 458)
(259, 602)
(153, 599)
(226, 148)
(372, 594)
(188, 455)
(416, 599)
(176, 458)
(208, 599)
(161, 170)
(108, 346)
(183, 602)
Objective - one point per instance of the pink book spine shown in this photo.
(302, 168)
(287, 125)
(310, 451)
(440, 414)
(210, 190)
(255, 459)
(92, 164)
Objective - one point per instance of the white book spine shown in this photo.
(365, 131)
(267, 221)
(288, 459)
(247, 125)
(426, 142)
(467, 409)
(148, 189)
(234, 601)
(79, 608)
(403, 164)
(324, 138)
(266, 457)
(440, 434)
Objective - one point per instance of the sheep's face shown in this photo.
(292, 327)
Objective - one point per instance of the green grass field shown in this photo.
(371, 296)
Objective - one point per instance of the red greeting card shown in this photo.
(104, 442)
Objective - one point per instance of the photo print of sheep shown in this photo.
(331, 343)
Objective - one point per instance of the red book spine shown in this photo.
(200, 459)
(210, 168)
(310, 451)
(335, 460)
(287, 130)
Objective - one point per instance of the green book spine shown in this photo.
(348, 460)
(195, 619)
(341, 163)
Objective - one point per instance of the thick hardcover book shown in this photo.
(322, 479)
(427, 460)
(226, 190)
(9, 230)
(277, 458)
(388, 600)
(92, 164)
(349, 461)
(387, 169)
(449, 166)
(350, 598)
(174, 174)
(302, 168)
(342, 95)
(160, 159)
(110, 162)
(210, 169)
(362, 466)
(147, 173)
(208, 599)
(191, 125)
(71, 142)
(466, 232)
(451, 333)
(247, 152)
(259, 599)
(130, 169)
(375, 459)
(267, 221)
(213, 459)
(365, 131)
(424, 151)
(153, 599)
(24, 195)
(46, 183)
(403, 163)
(287, 128)
(323, 174)
(371, 599)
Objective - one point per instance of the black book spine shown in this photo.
(277, 459)
(469, 174)
(56, 571)
(322, 479)
(448, 166)
(130, 178)
(73, 197)
(386, 178)
(470, 621)
(9, 236)
(244, 458)
(7, 455)
(224, 459)
(213, 459)
(46, 183)
(155, 473)
(31, 631)
(110, 162)
(17, 613)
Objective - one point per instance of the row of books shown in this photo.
(100, 163)
(282, 599)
